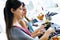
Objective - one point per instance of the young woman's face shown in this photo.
(18, 12)
(24, 11)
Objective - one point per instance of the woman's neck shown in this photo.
(16, 22)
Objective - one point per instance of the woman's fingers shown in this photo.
(51, 30)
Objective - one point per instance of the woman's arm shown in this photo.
(22, 23)
(47, 33)
(18, 34)
(37, 32)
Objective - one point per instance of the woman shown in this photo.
(25, 24)
(13, 13)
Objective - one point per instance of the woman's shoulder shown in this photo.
(17, 33)
(14, 28)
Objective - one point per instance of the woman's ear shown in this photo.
(12, 10)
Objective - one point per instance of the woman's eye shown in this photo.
(24, 9)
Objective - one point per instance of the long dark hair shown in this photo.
(9, 15)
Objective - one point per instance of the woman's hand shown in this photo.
(47, 33)
(38, 32)
(51, 30)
